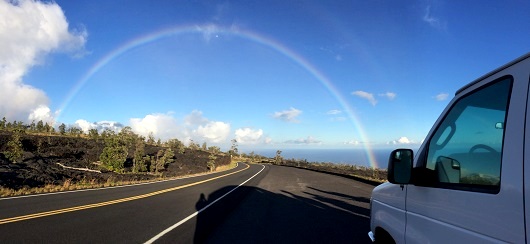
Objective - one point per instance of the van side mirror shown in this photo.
(400, 166)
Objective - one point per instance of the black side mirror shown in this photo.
(400, 166)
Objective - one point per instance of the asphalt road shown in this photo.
(249, 204)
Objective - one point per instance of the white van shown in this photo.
(467, 182)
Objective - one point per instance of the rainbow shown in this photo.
(210, 31)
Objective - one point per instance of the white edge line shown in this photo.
(152, 240)
(105, 188)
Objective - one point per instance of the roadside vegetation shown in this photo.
(37, 158)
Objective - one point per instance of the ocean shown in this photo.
(338, 156)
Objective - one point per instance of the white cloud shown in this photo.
(433, 21)
(208, 31)
(248, 136)
(365, 95)
(43, 113)
(100, 126)
(29, 30)
(441, 97)
(353, 142)
(195, 118)
(334, 112)
(401, 141)
(194, 126)
(163, 126)
(308, 140)
(214, 131)
(288, 115)
(389, 95)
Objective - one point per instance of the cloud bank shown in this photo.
(249, 136)
(194, 127)
(29, 31)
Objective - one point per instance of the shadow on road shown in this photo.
(255, 215)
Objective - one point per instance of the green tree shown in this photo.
(33, 126)
(193, 145)
(62, 129)
(252, 156)
(14, 147)
(151, 139)
(176, 145)
(114, 153)
(40, 126)
(48, 128)
(127, 135)
(149, 162)
(233, 149)
(3, 123)
(278, 159)
(139, 160)
(93, 134)
(75, 131)
(163, 158)
(211, 162)
(214, 149)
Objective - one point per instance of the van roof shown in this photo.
(517, 60)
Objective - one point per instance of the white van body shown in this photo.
(468, 182)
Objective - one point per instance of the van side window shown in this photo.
(466, 149)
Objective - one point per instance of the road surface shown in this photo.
(248, 204)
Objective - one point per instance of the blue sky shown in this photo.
(270, 74)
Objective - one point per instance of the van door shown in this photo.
(468, 177)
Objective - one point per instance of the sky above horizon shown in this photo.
(270, 74)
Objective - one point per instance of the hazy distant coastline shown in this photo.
(339, 156)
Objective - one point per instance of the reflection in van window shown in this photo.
(466, 148)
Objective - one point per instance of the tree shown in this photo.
(40, 126)
(278, 158)
(139, 161)
(114, 154)
(14, 147)
(93, 134)
(214, 149)
(176, 145)
(62, 129)
(163, 157)
(48, 128)
(3, 123)
(33, 126)
(252, 156)
(127, 135)
(193, 145)
(211, 162)
(151, 139)
(233, 149)
(75, 131)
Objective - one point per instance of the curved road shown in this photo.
(249, 204)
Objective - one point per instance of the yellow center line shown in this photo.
(101, 204)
